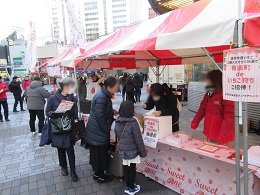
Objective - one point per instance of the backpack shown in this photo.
(130, 88)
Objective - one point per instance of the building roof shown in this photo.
(163, 6)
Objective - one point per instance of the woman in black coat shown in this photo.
(62, 141)
(98, 128)
(165, 102)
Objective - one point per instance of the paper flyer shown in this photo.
(151, 132)
(64, 106)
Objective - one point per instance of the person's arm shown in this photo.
(149, 104)
(200, 114)
(23, 85)
(49, 109)
(227, 127)
(138, 139)
(172, 106)
(44, 93)
(100, 107)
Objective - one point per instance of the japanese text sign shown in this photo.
(241, 75)
(151, 132)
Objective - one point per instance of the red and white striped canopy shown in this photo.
(176, 37)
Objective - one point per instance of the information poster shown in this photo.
(241, 75)
(151, 132)
(64, 106)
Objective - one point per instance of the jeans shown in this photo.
(71, 156)
(40, 116)
(130, 174)
(18, 98)
(5, 107)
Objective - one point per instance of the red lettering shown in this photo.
(174, 174)
(150, 171)
(149, 164)
(174, 182)
(206, 188)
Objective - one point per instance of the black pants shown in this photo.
(40, 116)
(130, 97)
(130, 174)
(18, 98)
(5, 107)
(71, 156)
(99, 158)
(138, 94)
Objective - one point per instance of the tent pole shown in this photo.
(211, 59)
(157, 74)
(245, 147)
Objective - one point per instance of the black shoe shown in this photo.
(1, 120)
(15, 111)
(64, 171)
(95, 177)
(105, 179)
(74, 176)
(22, 109)
(7, 119)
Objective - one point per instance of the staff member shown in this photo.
(165, 102)
(218, 113)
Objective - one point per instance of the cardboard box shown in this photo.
(164, 124)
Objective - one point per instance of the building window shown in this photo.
(91, 5)
(119, 5)
(119, 22)
(119, 11)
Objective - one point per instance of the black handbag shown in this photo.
(61, 125)
(78, 130)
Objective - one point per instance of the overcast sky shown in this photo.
(19, 12)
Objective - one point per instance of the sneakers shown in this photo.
(40, 134)
(95, 177)
(7, 119)
(15, 111)
(1, 120)
(131, 191)
(105, 179)
(64, 171)
(22, 109)
(33, 133)
(74, 176)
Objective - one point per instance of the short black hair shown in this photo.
(157, 89)
(110, 82)
(36, 78)
(127, 109)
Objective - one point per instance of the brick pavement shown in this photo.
(26, 168)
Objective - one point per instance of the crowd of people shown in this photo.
(219, 118)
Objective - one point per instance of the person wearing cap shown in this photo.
(35, 96)
(62, 141)
(15, 88)
(3, 100)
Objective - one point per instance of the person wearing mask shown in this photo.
(165, 102)
(98, 128)
(82, 89)
(35, 96)
(3, 100)
(131, 145)
(138, 81)
(130, 90)
(218, 113)
(62, 141)
(26, 83)
(15, 88)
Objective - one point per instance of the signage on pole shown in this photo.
(241, 75)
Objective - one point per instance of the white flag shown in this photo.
(76, 31)
(30, 56)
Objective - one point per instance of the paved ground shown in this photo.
(26, 168)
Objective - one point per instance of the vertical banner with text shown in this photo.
(241, 75)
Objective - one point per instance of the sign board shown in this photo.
(151, 132)
(241, 75)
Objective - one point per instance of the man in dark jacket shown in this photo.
(130, 89)
(165, 102)
(123, 79)
(138, 81)
(35, 95)
(15, 88)
(98, 128)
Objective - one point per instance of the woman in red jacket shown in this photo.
(3, 100)
(218, 113)
(26, 83)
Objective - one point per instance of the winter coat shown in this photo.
(131, 144)
(25, 84)
(61, 140)
(15, 88)
(83, 90)
(219, 118)
(35, 95)
(167, 105)
(138, 81)
(130, 87)
(100, 120)
(5, 89)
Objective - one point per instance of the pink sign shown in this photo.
(241, 75)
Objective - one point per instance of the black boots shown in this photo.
(64, 171)
(74, 176)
